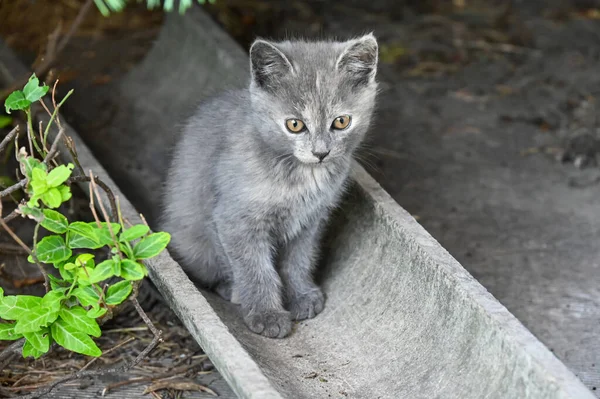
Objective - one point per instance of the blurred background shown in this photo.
(487, 129)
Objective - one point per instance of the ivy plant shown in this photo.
(84, 289)
(108, 6)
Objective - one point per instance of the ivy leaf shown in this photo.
(65, 193)
(34, 319)
(52, 198)
(77, 318)
(56, 283)
(40, 340)
(16, 101)
(52, 249)
(54, 221)
(52, 300)
(118, 293)
(131, 270)
(87, 295)
(29, 350)
(7, 332)
(15, 306)
(95, 313)
(103, 233)
(59, 175)
(134, 232)
(28, 163)
(102, 271)
(151, 245)
(82, 235)
(33, 91)
(69, 338)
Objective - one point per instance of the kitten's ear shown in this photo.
(359, 59)
(267, 64)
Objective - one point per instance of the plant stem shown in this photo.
(54, 113)
(31, 135)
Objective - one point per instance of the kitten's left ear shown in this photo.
(359, 59)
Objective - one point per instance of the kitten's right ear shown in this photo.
(268, 64)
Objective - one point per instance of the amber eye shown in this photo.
(295, 125)
(341, 122)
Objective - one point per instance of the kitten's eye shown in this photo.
(341, 122)
(295, 125)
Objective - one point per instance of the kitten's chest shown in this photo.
(295, 208)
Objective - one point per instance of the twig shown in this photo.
(13, 188)
(51, 56)
(104, 187)
(113, 370)
(8, 138)
(88, 364)
(26, 248)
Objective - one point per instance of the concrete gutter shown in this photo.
(403, 318)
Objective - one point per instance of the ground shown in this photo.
(485, 117)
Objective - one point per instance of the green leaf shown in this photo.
(65, 193)
(29, 350)
(52, 249)
(131, 270)
(1, 293)
(5, 121)
(103, 233)
(82, 235)
(56, 283)
(77, 318)
(94, 313)
(87, 295)
(32, 213)
(15, 306)
(86, 260)
(40, 340)
(29, 163)
(52, 198)
(55, 222)
(69, 338)
(59, 175)
(53, 300)
(151, 245)
(16, 101)
(134, 232)
(33, 91)
(7, 332)
(118, 293)
(34, 319)
(102, 271)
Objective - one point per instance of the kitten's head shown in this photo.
(313, 99)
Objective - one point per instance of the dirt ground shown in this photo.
(487, 130)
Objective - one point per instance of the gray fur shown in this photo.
(246, 200)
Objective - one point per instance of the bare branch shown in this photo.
(8, 138)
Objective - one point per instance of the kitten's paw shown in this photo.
(224, 290)
(271, 323)
(308, 305)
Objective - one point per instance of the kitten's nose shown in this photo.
(321, 155)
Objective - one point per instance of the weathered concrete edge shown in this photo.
(233, 362)
(513, 331)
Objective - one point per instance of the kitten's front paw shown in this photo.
(271, 323)
(308, 305)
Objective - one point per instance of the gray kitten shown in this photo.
(257, 172)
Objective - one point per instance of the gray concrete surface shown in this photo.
(403, 318)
